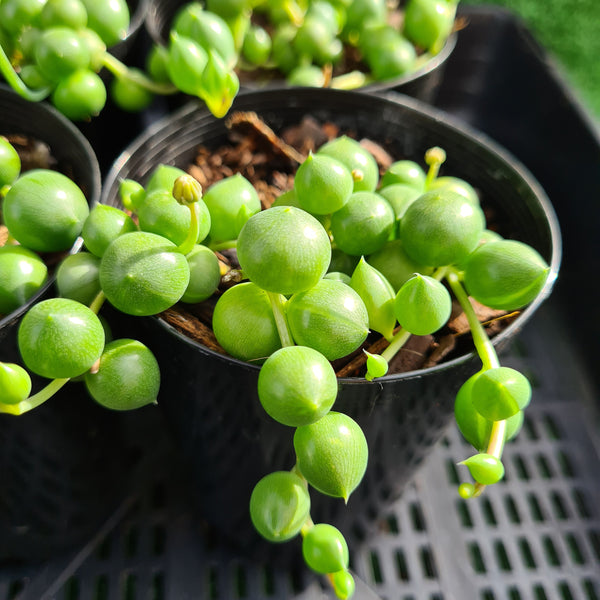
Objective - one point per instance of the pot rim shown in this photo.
(47, 111)
(437, 115)
(432, 63)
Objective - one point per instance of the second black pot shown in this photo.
(210, 400)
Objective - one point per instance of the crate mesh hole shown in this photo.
(417, 517)
(376, 572)
(488, 595)
(240, 582)
(464, 514)
(574, 548)
(100, 589)
(558, 506)
(535, 508)
(589, 589)
(476, 557)
(213, 582)
(131, 542)
(521, 468)
(595, 543)
(130, 587)
(530, 428)
(565, 591)
(565, 464)
(544, 467)
(158, 586)
(72, 589)
(551, 552)
(452, 472)
(539, 593)
(514, 594)
(159, 540)
(502, 556)
(512, 511)
(268, 581)
(391, 524)
(488, 512)
(428, 563)
(401, 566)
(581, 503)
(551, 427)
(526, 554)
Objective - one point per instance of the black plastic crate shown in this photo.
(536, 535)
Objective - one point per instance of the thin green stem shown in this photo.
(192, 236)
(118, 69)
(489, 359)
(400, 338)
(34, 401)
(277, 304)
(97, 302)
(17, 84)
(483, 345)
(219, 246)
(434, 157)
(349, 81)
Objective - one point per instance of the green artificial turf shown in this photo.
(570, 31)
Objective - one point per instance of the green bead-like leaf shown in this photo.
(15, 383)
(378, 296)
(231, 202)
(485, 468)
(324, 549)
(284, 250)
(10, 163)
(422, 305)
(103, 225)
(322, 184)
(332, 454)
(219, 85)
(22, 274)
(60, 338)
(343, 584)
(207, 29)
(163, 177)
(395, 265)
(243, 323)
(297, 386)
(446, 217)
(460, 186)
(500, 393)
(78, 277)
(357, 159)
(475, 428)
(143, 274)
(404, 171)
(127, 376)
(279, 506)
(377, 366)
(205, 274)
(186, 64)
(330, 317)
(364, 224)
(45, 211)
(505, 274)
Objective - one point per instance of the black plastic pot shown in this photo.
(422, 83)
(210, 400)
(59, 464)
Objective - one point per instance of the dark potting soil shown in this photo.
(269, 162)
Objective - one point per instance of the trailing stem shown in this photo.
(278, 306)
(489, 359)
(55, 385)
(17, 84)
